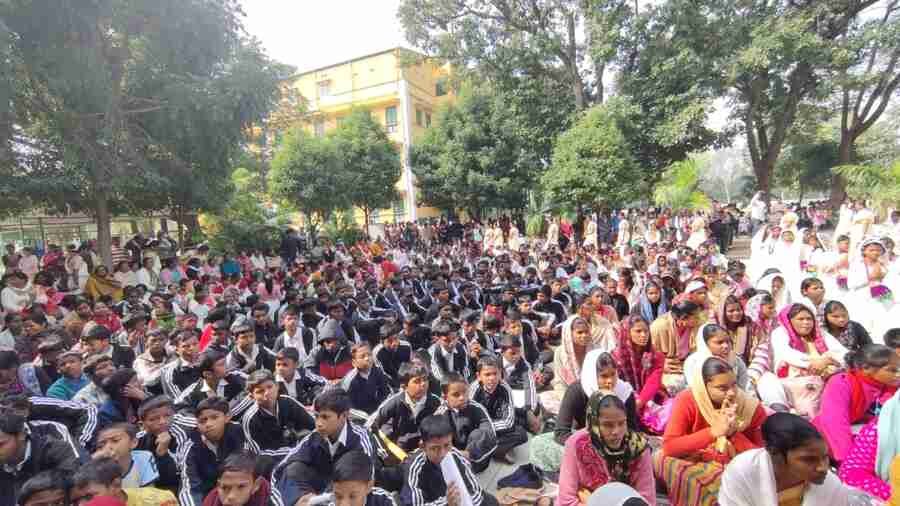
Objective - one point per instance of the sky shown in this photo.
(309, 34)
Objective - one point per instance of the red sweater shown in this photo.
(688, 436)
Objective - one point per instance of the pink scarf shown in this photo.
(796, 342)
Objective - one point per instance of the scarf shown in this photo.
(618, 460)
(796, 342)
(695, 361)
(647, 309)
(746, 334)
(746, 408)
(888, 438)
(571, 370)
(858, 403)
(634, 365)
(754, 312)
(622, 389)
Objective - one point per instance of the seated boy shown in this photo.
(103, 477)
(72, 378)
(273, 423)
(330, 359)
(392, 352)
(433, 479)
(518, 373)
(239, 483)
(205, 448)
(494, 394)
(399, 416)
(473, 430)
(178, 375)
(156, 415)
(353, 484)
(119, 442)
(215, 381)
(447, 353)
(247, 356)
(367, 385)
(47, 488)
(97, 342)
(294, 380)
(309, 468)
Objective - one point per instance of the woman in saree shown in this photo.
(745, 334)
(711, 422)
(101, 283)
(606, 451)
(603, 331)
(792, 469)
(642, 367)
(673, 334)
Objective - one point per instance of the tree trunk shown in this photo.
(572, 64)
(180, 227)
(366, 217)
(838, 183)
(104, 234)
(763, 172)
(164, 224)
(192, 225)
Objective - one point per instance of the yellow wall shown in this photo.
(373, 82)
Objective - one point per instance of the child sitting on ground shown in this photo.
(118, 442)
(367, 385)
(494, 394)
(294, 380)
(399, 416)
(239, 483)
(473, 430)
(103, 477)
(72, 379)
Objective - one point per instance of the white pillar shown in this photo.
(406, 111)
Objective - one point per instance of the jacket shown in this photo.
(367, 393)
(275, 433)
(200, 465)
(43, 454)
(390, 361)
(473, 430)
(81, 419)
(330, 365)
(499, 404)
(425, 485)
(458, 362)
(395, 418)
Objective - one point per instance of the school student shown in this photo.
(181, 373)
(473, 429)
(103, 477)
(494, 394)
(294, 380)
(239, 483)
(246, 355)
(331, 358)
(309, 467)
(273, 423)
(119, 442)
(215, 381)
(367, 385)
(392, 351)
(205, 448)
(429, 480)
(399, 416)
(156, 414)
(447, 353)
(72, 379)
(353, 484)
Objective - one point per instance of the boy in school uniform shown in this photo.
(176, 376)
(205, 448)
(494, 394)
(431, 479)
(156, 414)
(248, 356)
(294, 380)
(239, 483)
(399, 416)
(447, 353)
(353, 484)
(367, 385)
(473, 430)
(215, 381)
(392, 352)
(273, 423)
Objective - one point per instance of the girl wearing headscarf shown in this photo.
(802, 362)
(774, 283)
(653, 301)
(599, 374)
(868, 463)
(101, 283)
(673, 334)
(871, 301)
(792, 469)
(856, 396)
(642, 367)
(606, 451)
(713, 341)
(711, 422)
(761, 311)
(745, 334)
(568, 359)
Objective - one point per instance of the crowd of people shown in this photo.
(617, 359)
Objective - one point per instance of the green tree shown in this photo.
(593, 164)
(243, 223)
(370, 160)
(479, 154)
(679, 187)
(307, 172)
(119, 100)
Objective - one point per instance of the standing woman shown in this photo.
(711, 422)
(870, 299)
(604, 452)
(792, 469)
(674, 334)
(856, 396)
(642, 367)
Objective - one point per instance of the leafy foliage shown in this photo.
(593, 164)
(679, 186)
(879, 184)
(243, 223)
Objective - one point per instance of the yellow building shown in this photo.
(401, 88)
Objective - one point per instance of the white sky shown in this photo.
(309, 34)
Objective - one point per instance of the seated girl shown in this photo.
(745, 333)
(673, 334)
(642, 367)
(869, 460)
(606, 451)
(568, 359)
(715, 342)
(801, 362)
(760, 309)
(840, 333)
(711, 422)
(598, 374)
(856, 396)
(792, 470)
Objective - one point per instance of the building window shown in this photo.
(319, 127)
(427, 119)
(324, 88)
(390, 119)
(440, 87)
(419, 117)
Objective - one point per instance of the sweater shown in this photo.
(573, 472)
(858, 467)
(688, 435)
(66, 388)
